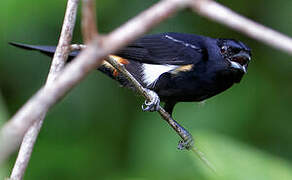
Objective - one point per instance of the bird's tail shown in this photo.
(47, 50)
(106, 68)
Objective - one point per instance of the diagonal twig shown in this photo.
(139, 88)
(223, 15)
(165, 115)
(12, 132)
(88, 23)
(89, 59)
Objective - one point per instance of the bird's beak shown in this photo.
(236, 65)
(240, 61)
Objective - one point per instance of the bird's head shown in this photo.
(236, 53)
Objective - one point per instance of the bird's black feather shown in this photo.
(178, 67)
(166, 48)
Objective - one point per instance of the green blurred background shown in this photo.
(99, 131)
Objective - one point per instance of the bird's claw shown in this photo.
(152, 105)
(186, 144)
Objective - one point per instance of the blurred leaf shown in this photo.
(237, 161)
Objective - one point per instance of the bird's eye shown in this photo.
(223, 49)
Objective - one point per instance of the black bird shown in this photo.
(178, 67)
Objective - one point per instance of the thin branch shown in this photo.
(204, 159)
(12, 132)
(142, 23)
(58, 62)
(165, 115)
(76, 47)
(89, 28)
(139, 88)
(25, 150)
(229, 18)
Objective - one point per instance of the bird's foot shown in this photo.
(186, 144)
(153, 104)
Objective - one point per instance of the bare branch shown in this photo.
(63, 48)
(76, 47)
(13, 131)
(25, 150)
(142, 23)
(58, 62)
(89, 28)
(139, 88)
(225, 16)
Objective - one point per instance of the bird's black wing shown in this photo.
(166, 48)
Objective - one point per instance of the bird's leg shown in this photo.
(187, 139)
(153, 104)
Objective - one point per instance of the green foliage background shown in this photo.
(99, 132)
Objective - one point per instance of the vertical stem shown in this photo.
(58, 62)
(89, 28)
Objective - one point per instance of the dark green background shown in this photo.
(99, 131)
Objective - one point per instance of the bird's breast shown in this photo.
(197, 84)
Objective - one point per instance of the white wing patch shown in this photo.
(151, 72)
